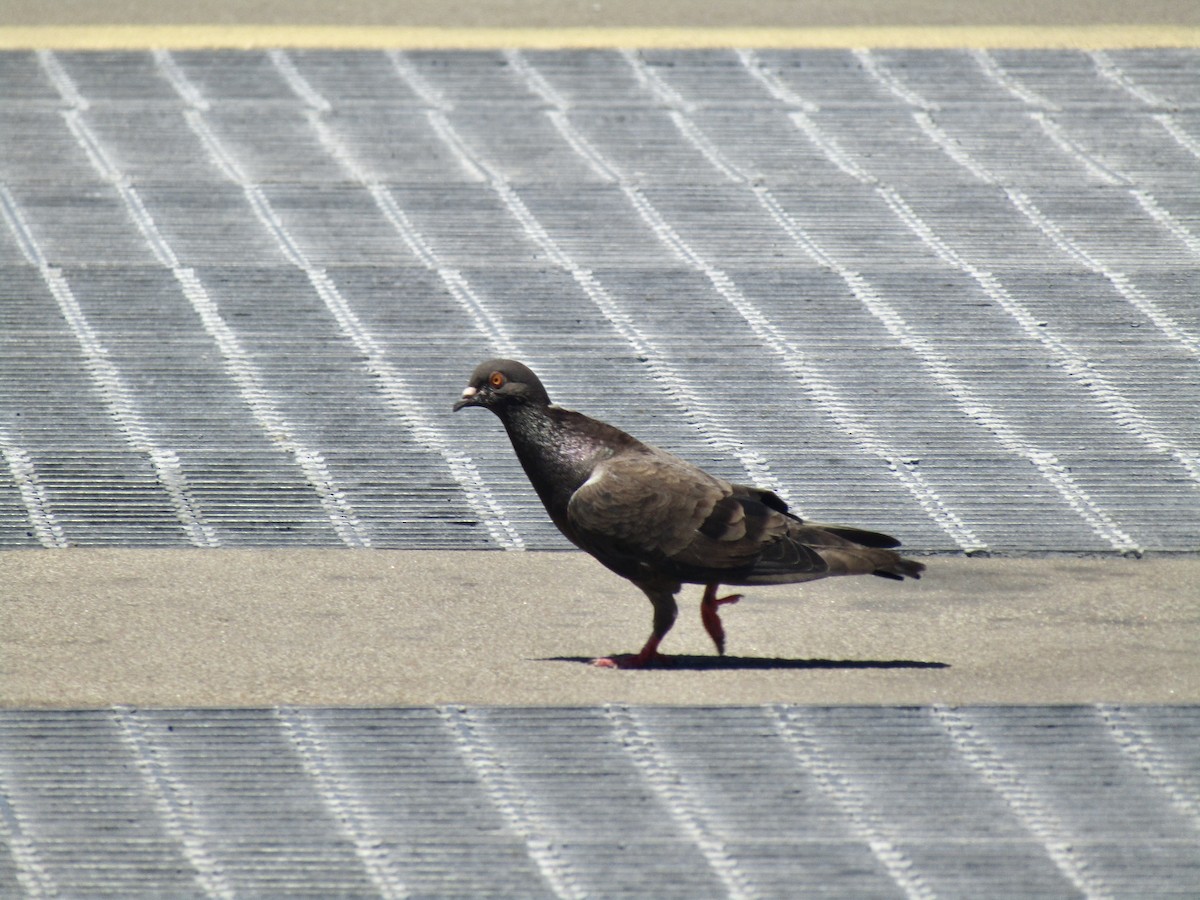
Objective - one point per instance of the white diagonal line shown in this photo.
(393, 386)
(367, 836)
(1026, 206)
(1108, 69)
(297, 82)
(884, 76)
(169, 69)
(33, 495)
(1176, 131)
(829, 147)
(1135, 741)
(685, 807)
(428, 93)
(849, 800)
(21, 848)
(237, 362)
(938, 365)
(773, 83)
(511, 801)
(696, 411)
(1022, 799)
(109, 384)
(952, 148)
(173, 805)
(669, 95)
(688, 128)
(997, 74)
(60, 80)
(1063, 142)
(1164, 218)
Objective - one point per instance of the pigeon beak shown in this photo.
(468, 398)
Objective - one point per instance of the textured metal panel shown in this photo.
(951, 294)
(612, 801)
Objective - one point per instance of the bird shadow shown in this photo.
(762, 663)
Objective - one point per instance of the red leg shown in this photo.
(709, 614)
(664, 617)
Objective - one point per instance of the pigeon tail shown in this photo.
(901, 568)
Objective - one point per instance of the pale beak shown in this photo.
(468, 398)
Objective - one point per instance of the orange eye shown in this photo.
(497, 380)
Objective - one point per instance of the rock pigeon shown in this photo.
(660, 521)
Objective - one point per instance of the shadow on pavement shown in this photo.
(707, 663)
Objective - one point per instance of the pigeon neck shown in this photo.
(555, 449)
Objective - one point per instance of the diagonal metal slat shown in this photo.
(734, 801)
(246, 286)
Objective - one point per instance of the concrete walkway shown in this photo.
(224, 628)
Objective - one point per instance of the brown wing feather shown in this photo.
(647, 502)
(857, 535)
(649, 515)
(651, 512)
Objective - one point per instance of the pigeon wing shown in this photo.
(651, 512)
(648, 502)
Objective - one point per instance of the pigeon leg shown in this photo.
(648, 656)
(709, 614)
(665, 610)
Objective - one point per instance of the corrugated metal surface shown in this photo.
(607, 802)
(948, 294)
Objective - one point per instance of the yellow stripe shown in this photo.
(185, 37)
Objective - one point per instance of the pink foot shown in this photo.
(649, 657)
(633, 661)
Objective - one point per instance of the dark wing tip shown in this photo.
(862, 536)
(902, 568)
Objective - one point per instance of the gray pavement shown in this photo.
(91, 628)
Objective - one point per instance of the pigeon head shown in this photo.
(501, 383)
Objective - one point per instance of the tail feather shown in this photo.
(809, 551)
(870, 560)
(901, 568)
(861, 536)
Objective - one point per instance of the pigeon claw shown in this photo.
(648, 658)
(634, 661)
(709, 614)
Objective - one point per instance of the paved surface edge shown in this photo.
(180, 37)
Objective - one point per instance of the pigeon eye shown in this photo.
(497, 380)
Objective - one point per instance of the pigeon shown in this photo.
(660, 521)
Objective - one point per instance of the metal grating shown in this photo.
(615, 801)
(949, 294)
